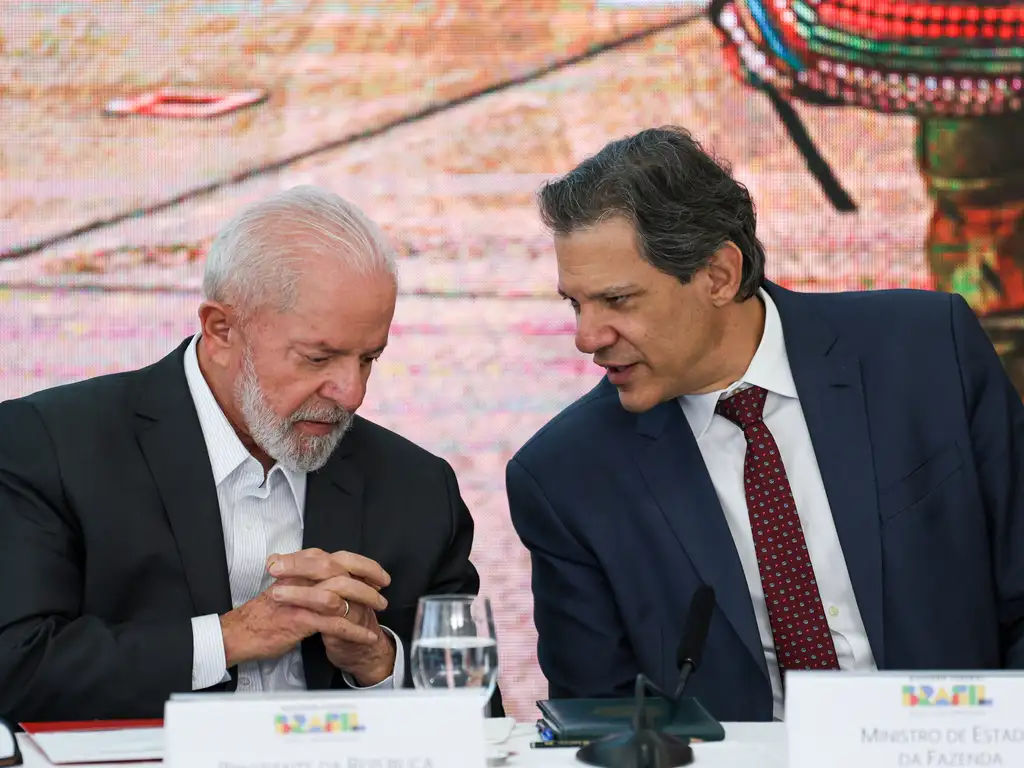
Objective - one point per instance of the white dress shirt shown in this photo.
(723, 447)
(261, 515)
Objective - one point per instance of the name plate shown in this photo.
(901, 720)
(330, 729)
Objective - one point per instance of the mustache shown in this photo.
(331, 414)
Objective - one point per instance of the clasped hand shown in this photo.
(334, 594)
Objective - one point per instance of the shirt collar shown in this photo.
(226, 451)
(769, 369)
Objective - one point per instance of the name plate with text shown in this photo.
(329, 729)
(904, 720)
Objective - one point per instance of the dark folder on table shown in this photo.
(589, 719)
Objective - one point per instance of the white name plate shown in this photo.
(901, 720)
(331, 729)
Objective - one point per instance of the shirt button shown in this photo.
(244, 682)
(833, 611)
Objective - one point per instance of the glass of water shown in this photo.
(454, 645)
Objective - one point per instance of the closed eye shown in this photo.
(315, 360)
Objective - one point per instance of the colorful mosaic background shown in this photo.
(441, 119)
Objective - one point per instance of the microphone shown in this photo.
(695, 637)
(645, 746)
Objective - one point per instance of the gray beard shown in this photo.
(278, 437)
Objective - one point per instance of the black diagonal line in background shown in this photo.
(277, 165)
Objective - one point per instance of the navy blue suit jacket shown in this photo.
(919, 436)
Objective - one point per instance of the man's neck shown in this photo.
(741, 337)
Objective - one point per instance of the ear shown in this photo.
(725, 270)
(220, 328)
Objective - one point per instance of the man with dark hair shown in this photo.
(841, 468)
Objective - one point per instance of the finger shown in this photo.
(329, 596)
(314, 598)
(345, 630)
(362, 568)
(296, 582)
(378, 587)
(314, 564)
(356, 591)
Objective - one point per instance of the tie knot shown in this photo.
(744, 408)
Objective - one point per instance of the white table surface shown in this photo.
(746, 745)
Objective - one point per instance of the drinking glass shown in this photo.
(454, 645)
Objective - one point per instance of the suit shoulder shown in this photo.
(80, 398)
(76, 422)
(374, 440)
(569, 428)
(888, 317)
(903, 303)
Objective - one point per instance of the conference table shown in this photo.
(746, 745)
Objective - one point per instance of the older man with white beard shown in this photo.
(222, 520)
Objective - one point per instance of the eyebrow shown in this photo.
(615, 290)
(327, 349)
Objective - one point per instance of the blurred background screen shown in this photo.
(131, 130)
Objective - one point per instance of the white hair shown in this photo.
(254, 260)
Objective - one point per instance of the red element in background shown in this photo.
(185, 103)
(893, 21)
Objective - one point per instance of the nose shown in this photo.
(345, 386)
(592, 333)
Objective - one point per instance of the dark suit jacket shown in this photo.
(111, 540)
(920, 440)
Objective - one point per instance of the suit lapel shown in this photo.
(828, 380)
(674, 469)
(333, 522)
(168, 431)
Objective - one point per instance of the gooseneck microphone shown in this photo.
(646, 746)
(695, 637)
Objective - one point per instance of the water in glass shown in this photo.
(454, 645)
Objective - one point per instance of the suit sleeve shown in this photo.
(582, 644)
(55, 662)
(456, 574)
(996, 420)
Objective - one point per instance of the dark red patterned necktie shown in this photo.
(799, 626)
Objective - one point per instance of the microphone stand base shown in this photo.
(640, 749)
